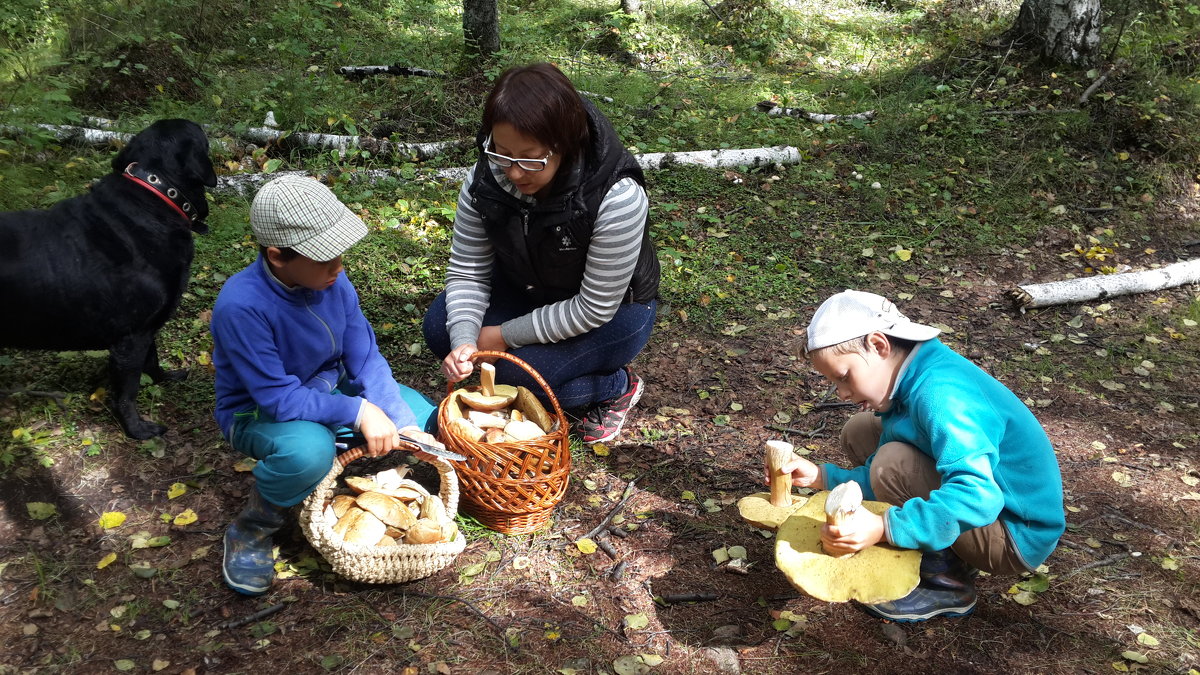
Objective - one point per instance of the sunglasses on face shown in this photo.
(504, 161)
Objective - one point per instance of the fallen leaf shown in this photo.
(106, 561)
(636, 621)
(586, 546)
(41, 510)
(111, 519)
(186, 518)
(176, 490)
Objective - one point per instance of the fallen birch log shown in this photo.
(772, 108)
(376, 146)
(1105, 286)
(246, 183)
(359, 72)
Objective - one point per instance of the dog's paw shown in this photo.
(171, 376)
(143, 430)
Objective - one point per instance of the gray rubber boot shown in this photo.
(249, 566)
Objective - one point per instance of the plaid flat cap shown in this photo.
(300, 213)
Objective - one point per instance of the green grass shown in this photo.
(935, 176)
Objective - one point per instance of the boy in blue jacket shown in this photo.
(296, 364)
(971, 475)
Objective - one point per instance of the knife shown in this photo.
(438, 450)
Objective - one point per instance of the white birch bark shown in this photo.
(246, 183)
(377, 147)
(1085, 289)
(1068, 30)
(770, 108)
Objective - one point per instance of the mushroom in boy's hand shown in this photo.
(767, 510)
(873, 575)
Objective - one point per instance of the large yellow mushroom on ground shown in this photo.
(873, 575)
(766, 510)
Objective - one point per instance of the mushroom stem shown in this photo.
(842, 503)
(779, 453)
(487, 379)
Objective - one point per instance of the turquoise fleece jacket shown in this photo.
(283, 351)
(993, 456)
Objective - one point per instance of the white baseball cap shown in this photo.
(300, 213)
(851, 314)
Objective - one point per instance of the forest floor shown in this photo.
(1120, 588)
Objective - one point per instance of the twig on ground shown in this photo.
(608, 549)
(596, 623)
(1099, 81)
(629, 490)
(1103, 562)
(815, 432)
(618, 571)
(1040, 111)
(834, 405)
(675, 598)
(58, 396)
(1096, 209)
(472, 607)
(251, 618)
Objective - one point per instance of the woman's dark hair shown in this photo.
(286, 253)
(540, 102)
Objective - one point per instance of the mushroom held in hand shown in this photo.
(767, 510)
(875, 574)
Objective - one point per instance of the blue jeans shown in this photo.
(582, 371)
(293, 457)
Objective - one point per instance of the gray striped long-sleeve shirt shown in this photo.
(612, 255)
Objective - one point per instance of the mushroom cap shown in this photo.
(758, 510)
(502, 397)
(875, 574)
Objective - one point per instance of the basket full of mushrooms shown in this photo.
(383, 528)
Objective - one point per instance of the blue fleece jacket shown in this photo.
(283, 351)
(994, 458)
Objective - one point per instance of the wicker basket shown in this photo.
(378, 564)
(512, 487)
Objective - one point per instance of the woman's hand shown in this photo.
(378, 430)
(861, 530)
(803, 472)
(458, 365)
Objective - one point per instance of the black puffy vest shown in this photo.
(542, 247)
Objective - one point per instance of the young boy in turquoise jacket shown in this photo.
(297, 364)
(971, 474)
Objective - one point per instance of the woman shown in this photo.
(551, 259)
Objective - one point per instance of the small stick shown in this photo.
(1103, 562)
(613, 513)
(618, 532)
(1099, 81)
(609, 551)
(250, 618)
(618, 571)
(705, 596)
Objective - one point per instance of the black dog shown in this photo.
(105, 270)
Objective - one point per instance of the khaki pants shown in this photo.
(901, 472)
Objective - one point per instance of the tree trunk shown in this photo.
(481, 26)
(1068, 30)
(632, 7)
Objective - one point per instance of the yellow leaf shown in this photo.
(97, 395)
(176, 490)
(586, 546)
(245, 464)
(1147, 639)
(112, 519)
(186, 518)
(600, 449)
(904, 254)
(106, 561)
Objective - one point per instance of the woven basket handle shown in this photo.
(537, 377)
(354, 453)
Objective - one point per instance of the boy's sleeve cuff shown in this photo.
(362, 404)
